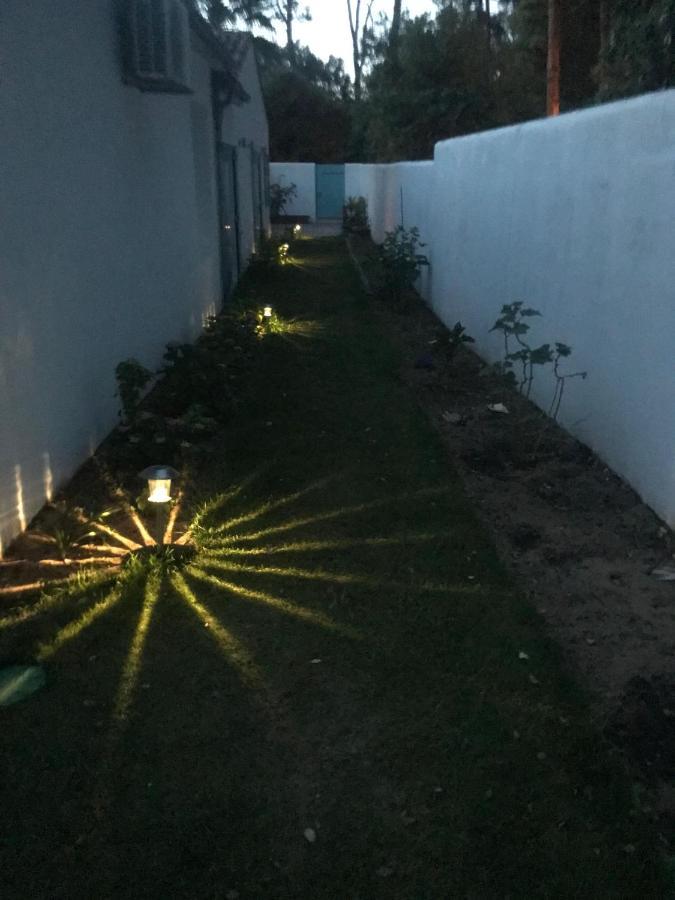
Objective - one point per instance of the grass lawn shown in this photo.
(341, 696)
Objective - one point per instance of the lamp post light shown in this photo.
(159, 480)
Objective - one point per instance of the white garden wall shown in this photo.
(575, 217)
(303, 176)
(399, 195)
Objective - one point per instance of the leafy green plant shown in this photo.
(269, 254)
(280, 197)
(562, 351)
(68, 527)
(452, 339)
(355, 216)
(512, 324)
(131, 377)
(401, 260)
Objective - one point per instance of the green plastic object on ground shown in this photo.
(19, 682)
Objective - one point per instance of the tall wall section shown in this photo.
(575, 217)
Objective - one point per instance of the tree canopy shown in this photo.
(474, 65)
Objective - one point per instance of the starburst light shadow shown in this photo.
(212, 582)
(317, 546)
(73, 629)
(326, 516)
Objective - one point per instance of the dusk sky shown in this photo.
(328, 32)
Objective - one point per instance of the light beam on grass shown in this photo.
(200, 519)
(49, 601)
(334, 577)
(278, 603)
(104, 548)
(292, 524)
(305, 328)
(270, 506)
(29, 587)
(124, 541)
(292, 572)
(171, 522)
(132, 664)
(73, 629)
(80, 561)
(146, 537)
(233, 648)
(317, 546)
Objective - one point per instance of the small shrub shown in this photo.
(68, 529)
(452, 339)
(131, 377)
(268, 255)
(280, 197)
(562, 351)
(355, 216)
(512, 325)
(401, 260)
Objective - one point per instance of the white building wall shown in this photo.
(303, 176)
(573, 216)
(245, 126)
(108, 236)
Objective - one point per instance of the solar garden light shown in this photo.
(297, 230)
(267, 313)
(159, 483)
(159, 492)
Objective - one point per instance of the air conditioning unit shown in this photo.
(158, 44)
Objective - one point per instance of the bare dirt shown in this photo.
(578, 539)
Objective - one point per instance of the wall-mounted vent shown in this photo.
(157, 45)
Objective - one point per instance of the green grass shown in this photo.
(345, 653)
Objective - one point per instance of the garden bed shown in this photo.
(579, 540)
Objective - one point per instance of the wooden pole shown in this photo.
(553, 67)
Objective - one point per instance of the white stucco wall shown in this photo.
(303, 176)
(397, 194)
(108, 236)
(245, 126)
(573, 216)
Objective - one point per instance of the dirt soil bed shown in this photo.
(579, 540)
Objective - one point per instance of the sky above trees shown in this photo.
(327, 34)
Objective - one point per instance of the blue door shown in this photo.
(330, 191)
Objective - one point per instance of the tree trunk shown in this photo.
(604, 25)
(488, 39)
(553, 67)
(290, 45)
(395, 32)
(356, 55)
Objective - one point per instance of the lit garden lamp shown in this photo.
(159, 480)
(297, 230)
(267, 314)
